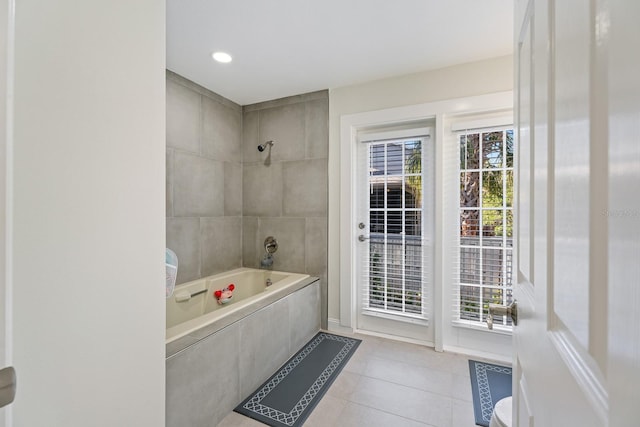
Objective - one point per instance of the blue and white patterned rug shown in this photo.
(489, 384)
(288, 397)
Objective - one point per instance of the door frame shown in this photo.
(349, 126)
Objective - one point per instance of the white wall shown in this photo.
(88, 209)
(4, 19)
(477, 78)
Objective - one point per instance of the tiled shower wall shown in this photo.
(284, 191)
(204, 179)
(224, 196)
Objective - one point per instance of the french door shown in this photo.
(394, 252)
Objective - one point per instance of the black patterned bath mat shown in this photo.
(489, 384)
(288, 397)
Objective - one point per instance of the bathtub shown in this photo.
(218, 354)
(193, 311)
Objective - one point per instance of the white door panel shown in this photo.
(573, 259)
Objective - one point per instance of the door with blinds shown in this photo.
(394, 211)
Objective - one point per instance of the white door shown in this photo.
(394, 204)
(574, 256)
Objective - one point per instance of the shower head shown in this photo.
(262, 147)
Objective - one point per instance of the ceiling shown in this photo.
(288, 47)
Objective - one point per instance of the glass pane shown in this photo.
(492, 296)
(413, 157)
(492, 189)
(394, 194)
(413, 192)
(376, 159)
(395, 161)
(509, 148)
(492, 264)
(509, 178)
(492, 226)
(469, 227)
(470, 151)
(376, 221)
(413, 223)
(469, 189)
(394, 222)
(492, 150)
(376, 196)
(469, 303)
(470, 265)
(509, 231)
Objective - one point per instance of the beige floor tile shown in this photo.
(461, 388)
(234, 419)
(462, 415)
(418, 405)
(344, 386)
(327, 413)
(427, 379)
(355, 415)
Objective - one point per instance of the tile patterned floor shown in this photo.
(389, 383)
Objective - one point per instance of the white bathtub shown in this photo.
(199, 316)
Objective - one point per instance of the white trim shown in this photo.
(497, 329)
(506, 120)
(333, 325)
(583, 369)
(393, 337)
(500, 358)
(349, 126)
(397, 317)
(371, 136)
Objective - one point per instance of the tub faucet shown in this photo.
(267, 262)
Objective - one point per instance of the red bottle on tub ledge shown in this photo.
(224, 295)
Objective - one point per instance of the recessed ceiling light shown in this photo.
(221, 57)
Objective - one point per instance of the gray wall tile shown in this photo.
(316, 246)
(305, 188)
(285, 126)
(290, 235)
(262, 350)
(232, 189)
(250, 252)
(183, 237)
(221, 131)
(221, 244)
(317, 129)
(250, 138)
(198, 186)
(262, 189)
(183, 118)
(203, 382)
(304, 313)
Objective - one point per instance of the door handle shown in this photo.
(7, 386)
(362, 238)
(503, 310)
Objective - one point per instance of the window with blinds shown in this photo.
(394, 276)
(485, 233)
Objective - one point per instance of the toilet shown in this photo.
(501, 413)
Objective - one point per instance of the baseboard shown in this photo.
(489, 357)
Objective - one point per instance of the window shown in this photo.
(485, 235)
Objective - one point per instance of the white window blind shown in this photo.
(484, 239)
(396, 271)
